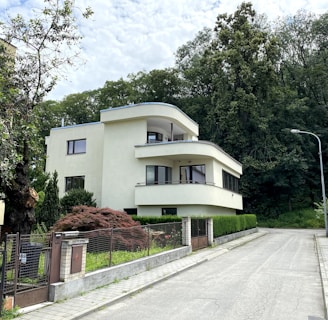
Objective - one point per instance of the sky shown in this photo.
(128, 36)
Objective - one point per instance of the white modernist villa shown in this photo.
(145, 159)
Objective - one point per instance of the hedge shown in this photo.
(156, 220)
(223, 225)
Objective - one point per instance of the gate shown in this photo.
(26, 263)
(199, 234)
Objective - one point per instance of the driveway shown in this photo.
(271, 278)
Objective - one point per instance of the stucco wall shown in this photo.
(87, 164)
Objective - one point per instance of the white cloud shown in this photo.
(128, 36)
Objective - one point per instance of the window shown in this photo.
(158, 175)
(74, 183)
(153, 137)
(76, 146)
(131, 211)
(230, 182)
(169, 211)
(192, 174)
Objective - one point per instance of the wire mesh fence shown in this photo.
(108, 247)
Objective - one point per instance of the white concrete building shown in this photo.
(146, 159)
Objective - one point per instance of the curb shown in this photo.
(323, 275)
(207, 258)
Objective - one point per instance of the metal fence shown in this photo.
(25, 263)
(108, 247)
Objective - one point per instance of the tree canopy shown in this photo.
(247, 82)
(35, 53)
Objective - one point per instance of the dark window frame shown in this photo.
(190, 178)
(158, 137)
(169, 211)
(230, 182)
(74, 182)
(73, 148)
(157, 175)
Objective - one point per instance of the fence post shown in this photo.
(210, 231)
(186, 231)
(148, 236)
(3, 271)
(111, 247)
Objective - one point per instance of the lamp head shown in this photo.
(295, 131)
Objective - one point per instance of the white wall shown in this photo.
(87, 164)
(185, 211)
(121, 171)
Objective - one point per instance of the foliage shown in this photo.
(84, 218)
(223, 225)
(144, 220)
(10, 314)
(319, 209)
(95, 261)
(301, 218)
(49, 211)
(246, 84)
(41, 46)
(77, 197)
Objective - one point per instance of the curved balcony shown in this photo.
(181, 149)
(187, 194)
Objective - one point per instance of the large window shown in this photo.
(158, 175)
(192, 174)
(76, 182)
(76, 146)
(230, 182)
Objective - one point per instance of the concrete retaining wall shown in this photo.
(65, 290)
(233, 236)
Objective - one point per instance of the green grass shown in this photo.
(301, 218)
(95, 261)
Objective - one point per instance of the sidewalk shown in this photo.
(87, 303)
(321, 242)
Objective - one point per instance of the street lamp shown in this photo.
(322, 176)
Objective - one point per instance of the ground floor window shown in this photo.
(158, 175)
(76, 182)
(131, 211)
(230, 182)
(192, 174)
(169, 211)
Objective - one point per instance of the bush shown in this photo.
(127, 235)
(77, 197)
(223, 225)
(156, 220)
(303, 218)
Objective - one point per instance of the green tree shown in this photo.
(80, 107)
(45, 43)
(246, 92)
(77, 197)
(156, 86)
(49, 211)
(197, 83)
(303, 72)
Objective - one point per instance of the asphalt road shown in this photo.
(275, 277)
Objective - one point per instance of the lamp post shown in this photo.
(322, 176)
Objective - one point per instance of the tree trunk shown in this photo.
(20, 200)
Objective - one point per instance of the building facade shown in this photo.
(146, 159)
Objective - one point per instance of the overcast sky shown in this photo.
(127, 36)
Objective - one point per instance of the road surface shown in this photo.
(275, 277)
